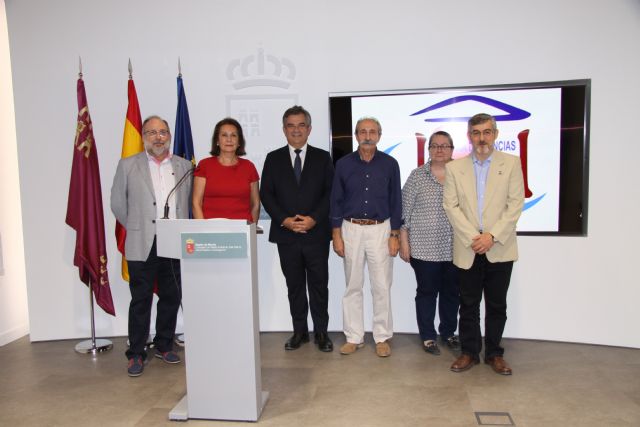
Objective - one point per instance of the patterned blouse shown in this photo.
(430, 234)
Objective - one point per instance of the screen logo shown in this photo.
(511, 113)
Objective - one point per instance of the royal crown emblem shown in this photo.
(261, 69)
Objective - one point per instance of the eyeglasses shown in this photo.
(486, 133)
(153, 133)
(436, 147)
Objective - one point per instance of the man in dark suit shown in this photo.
(295, 188)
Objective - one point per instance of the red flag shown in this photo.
(131, 144)
(84, 209)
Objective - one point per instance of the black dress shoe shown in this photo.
(431, 347)
(323, 341)
(453, 342)
(296, 340)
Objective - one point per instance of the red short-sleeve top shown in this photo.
(227, 192)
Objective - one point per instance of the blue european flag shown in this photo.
(183, 140)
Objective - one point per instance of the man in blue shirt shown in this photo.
(366, 206)
(483, 198)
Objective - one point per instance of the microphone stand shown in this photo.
(173, 190)
(179, 340)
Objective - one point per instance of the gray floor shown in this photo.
(554, 384)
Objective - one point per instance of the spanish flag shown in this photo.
(131, 144)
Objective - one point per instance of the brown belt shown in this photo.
(364, 221)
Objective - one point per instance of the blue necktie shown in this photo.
(297, 165)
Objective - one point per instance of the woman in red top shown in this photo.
(224, 185)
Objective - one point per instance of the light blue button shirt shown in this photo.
(481, 170)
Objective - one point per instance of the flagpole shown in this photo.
(93, 346)
(179, 339)
(74, 206)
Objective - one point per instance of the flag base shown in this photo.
(94, 347)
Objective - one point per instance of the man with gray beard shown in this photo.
(366, 207)
(140, 188)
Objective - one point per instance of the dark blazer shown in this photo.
(282, 197)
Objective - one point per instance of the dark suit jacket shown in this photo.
(282, 197)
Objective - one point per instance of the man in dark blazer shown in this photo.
(295, 188)
(140, 188)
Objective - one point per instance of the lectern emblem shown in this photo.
(190, 246)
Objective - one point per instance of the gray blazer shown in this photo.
(133, 201)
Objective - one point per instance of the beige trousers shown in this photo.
(367, 244)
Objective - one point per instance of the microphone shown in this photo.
(183, 179)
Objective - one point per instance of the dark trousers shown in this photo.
(142, 276)
(437, 281)
(492, 279)
(306, 265)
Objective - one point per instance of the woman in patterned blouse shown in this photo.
(426, 241)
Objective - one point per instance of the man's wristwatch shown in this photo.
(396, 235)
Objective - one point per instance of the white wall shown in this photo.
(14, 322)
(567, 289)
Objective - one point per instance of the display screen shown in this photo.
(545, 124)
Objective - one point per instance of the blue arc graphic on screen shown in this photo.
(512, 113)
(390, 149)
(532, 203)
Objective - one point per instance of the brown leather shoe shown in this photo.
(499, 365)
(350, 348)
(383, 349)
(464, 362)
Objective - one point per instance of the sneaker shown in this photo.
(383, 349)
(431, 347)
(136, 366)
(168, 356)
(453, 342)
(350, 348)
